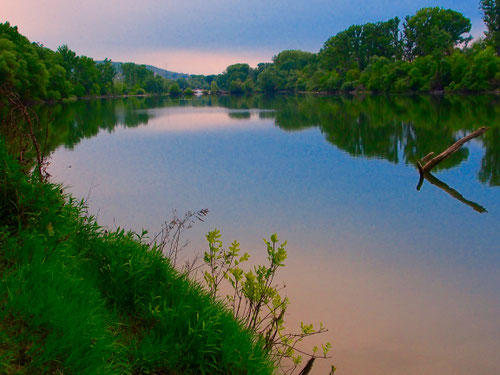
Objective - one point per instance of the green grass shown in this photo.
(76, 299)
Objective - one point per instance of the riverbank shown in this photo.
(76, 298)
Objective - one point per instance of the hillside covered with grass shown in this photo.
(78, 299)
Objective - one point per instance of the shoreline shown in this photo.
(318, 93)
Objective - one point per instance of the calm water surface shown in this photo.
(406, 281)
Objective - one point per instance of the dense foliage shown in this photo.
(491, 17)
(38, 73)
(430, 51)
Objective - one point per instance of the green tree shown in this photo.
(483, 71)
(293, 59)
(236, 87)
(182, 82)
(135, 76)
(174, 90)
(197, 81)
(106, 75)
(67, 60)
(21, 68)
(491, 17)
(434, 31)
(355, 46)
(248, 85)
(214, 89)
(232, 73)
(86, 74)
(156, 84)
(269, 80)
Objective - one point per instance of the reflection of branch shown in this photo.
(455, 194)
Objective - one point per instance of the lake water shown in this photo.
(407, 281)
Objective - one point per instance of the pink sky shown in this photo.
(192, 61)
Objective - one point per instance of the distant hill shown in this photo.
(162, 72)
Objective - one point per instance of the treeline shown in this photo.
(430, 51)
(35, 72)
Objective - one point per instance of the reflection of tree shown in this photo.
(240, 115)
(418, 142)
(399, 128)
(490, 165)
(395, 128)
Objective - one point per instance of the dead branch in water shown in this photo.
(429, 164)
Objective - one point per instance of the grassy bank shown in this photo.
(77, 299)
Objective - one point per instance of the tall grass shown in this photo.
(77, 299)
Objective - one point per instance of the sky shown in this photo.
(203, 36)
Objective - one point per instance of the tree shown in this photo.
(154, 84)
(355, 46)
(21, 67)
(236, 87)
(182, 82)
(269, 80)
(248, 85)
(232, 73)
(214, 89)
(106, 74)
(491, 17)
(68, 60)
(87, 75)
(174, 90)
(434, 31)
(293, 59)
(134, 75)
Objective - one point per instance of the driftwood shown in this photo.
(430, 162)
(427, 157)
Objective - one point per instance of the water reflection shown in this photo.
(399, 129)
(407, 282)
(452, 192)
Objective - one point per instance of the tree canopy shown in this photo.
(434, 31)
(491, 17)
